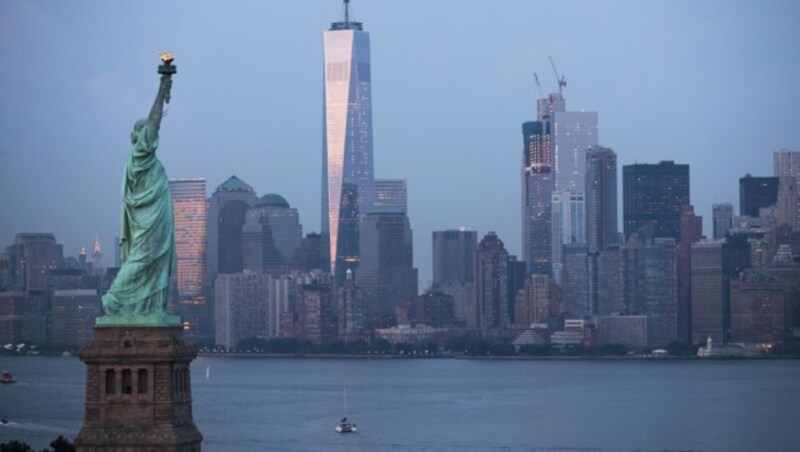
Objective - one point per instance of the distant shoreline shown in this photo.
(486, 358)
(329, 356)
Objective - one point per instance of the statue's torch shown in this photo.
(166, 69)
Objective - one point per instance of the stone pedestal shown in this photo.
(138, 391)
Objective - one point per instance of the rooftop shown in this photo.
(272, 200)
(234, 184)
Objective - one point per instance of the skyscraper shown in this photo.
(316, 312)
(386, 273)
(391, 195)
(190, 211)
(573, 133)
(311, 252)
(653, 194)
(575, 300)
(533, 302)
(73, 313)
(568, 227)
(351, 310)
(756, 193)
(722, 215)
(758, 307)
(226, 213)
(491, 284)
(787, 170)
(347, 168)
(537, 191)
(601, 199)
(517, 272)
(602, 232)
(227, 209)
(651, 284)
(97, 252)
(453, 256)
(607, 287)
(271, 235)
(454, 269)
(708, 308)
(691, 232)
(31, 257)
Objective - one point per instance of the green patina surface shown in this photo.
(139, 293)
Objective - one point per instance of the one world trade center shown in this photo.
(347, 167)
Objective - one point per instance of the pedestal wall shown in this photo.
(138, 391)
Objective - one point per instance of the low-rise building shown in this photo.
(628, 330)
(412, 334)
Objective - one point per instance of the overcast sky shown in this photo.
(713, 84)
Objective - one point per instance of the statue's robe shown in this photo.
(148, 240)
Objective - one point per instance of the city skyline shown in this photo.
(703, 60)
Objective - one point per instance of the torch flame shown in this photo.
(166, 56)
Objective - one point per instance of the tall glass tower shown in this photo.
(190, 211)
(348, 183)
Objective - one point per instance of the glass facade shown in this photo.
(386, 273)
(190, 211)
(391, 195)
(653, 194)
(348, 177)
(225, 219)
(708, 285)
(569, 227)
(491, 284)
(537, 190)
(651, 286)
(573, 133)
(787, 170)
(722, 216)
(31, 257)
(454, 256)
(271, 236)
(601, 198)
(755, 193)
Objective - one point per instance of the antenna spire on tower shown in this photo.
(347, 24)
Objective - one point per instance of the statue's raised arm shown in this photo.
(165, 87)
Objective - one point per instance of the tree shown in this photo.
(15, 446)
(62, 444)
(59, 444)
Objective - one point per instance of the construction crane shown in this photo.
(561, 82)
(539, 85)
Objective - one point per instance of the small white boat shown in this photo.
(344, 425)
(208, 373)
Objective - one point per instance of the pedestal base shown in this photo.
(138, 391)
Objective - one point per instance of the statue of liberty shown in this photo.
(138, 295)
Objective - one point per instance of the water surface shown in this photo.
(253, 404)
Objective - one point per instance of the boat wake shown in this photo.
(33, 427)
